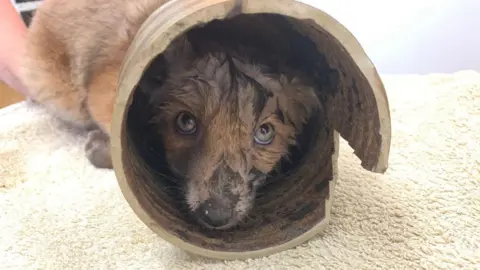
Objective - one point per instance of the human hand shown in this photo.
(12, 44)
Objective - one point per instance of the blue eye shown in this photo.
(264, 134)
(186, 123)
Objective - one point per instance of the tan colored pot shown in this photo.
(355, 103)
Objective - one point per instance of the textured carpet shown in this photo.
(58, 212)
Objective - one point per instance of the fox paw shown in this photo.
(97, 149)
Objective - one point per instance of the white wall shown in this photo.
(407, 36)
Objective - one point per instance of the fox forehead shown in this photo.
(212, 82)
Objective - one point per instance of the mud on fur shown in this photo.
(225, 119)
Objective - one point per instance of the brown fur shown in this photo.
(74, 53)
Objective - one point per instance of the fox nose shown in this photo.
(214, 213)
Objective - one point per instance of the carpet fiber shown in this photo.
(58, 212)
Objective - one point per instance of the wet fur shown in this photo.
(72, 66)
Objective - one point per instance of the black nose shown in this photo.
(214, 213)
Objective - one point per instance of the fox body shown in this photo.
(225, 120)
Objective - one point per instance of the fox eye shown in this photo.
(264, 134)
(186, 124)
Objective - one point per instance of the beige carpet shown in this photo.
(57, 212)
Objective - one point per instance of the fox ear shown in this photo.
(180, 49)
(178, 54)
(298, 101)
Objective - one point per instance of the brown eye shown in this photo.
(264, 134)
(186, 123)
